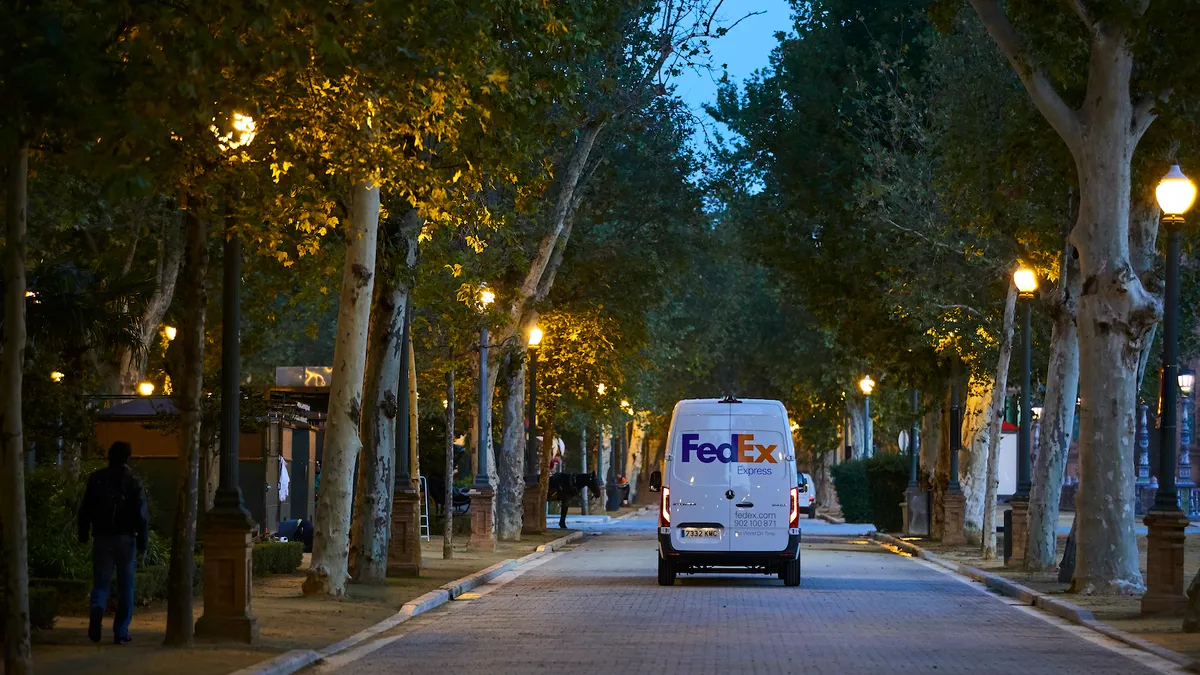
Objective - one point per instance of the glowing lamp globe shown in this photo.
(1025, 280)
(1175, 192)
(146, 388)
(535, 336)
(867, 385)
(1187, 382)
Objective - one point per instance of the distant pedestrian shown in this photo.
(556, 462)
(114, 511)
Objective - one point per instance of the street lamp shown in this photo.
(146, 388)
(486, 297)
(57, 376)
(532, 466)
(867, 385)
(1175, 196)
(1186, 382)
(1026, 282)
(170, 332)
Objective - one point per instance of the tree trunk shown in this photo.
(995, 418)
(1115, 310)
(633, 456)
(1056, 424)
(18, 655)
(131, 365)
(596, 464)
(972, 464)
(372, 519)
(941, 475)
(856, 417)
(511, 460)
(448, 522)
(328, 571)
(189, 393)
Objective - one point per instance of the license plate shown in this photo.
(700, 532)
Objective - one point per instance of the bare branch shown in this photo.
(966, 308)
(1082, 12)
(1144, 113)
(1060, 116)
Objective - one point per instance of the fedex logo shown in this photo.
(740, 448)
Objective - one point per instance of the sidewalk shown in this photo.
(1120, 612)
(286, 620)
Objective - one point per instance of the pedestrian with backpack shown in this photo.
(114, 511)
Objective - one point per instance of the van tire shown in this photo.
(791, 572)
(666, 572)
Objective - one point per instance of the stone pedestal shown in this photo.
(1164, 564)
(533, 511)
(228, 574)
(954, 508)
(916, 512)
(1020, 531)
(404, 547)
(483, 533)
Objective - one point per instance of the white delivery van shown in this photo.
(729, 498)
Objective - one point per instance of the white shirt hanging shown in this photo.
(283, 479)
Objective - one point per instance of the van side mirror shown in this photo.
(656, 481)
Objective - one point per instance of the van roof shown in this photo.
(685, 404)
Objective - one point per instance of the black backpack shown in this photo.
(112, 503)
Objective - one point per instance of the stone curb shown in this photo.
(831, 519)
(1045, 602)
(298, 659)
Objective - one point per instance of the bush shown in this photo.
(850, 481)
(871, 490)
(43, 607)
(887, 478)
(278, 557)
(149, 585)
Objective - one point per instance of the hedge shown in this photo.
(43, 607)
(149, 585)
(278, 557)
(871, 490)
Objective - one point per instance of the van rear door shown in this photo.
(761, 479)
(698, 482)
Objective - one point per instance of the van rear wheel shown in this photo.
(791, 572)
(666, 572)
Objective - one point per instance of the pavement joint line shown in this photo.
(297, 659)
(1051, 605)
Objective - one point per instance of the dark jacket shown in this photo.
(133, 516)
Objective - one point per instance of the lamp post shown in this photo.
(1026, 282)
(914, 442)
(227, 539)
(404, 549)
(1165, 522)
(867, 385)
(1037, 433)
(1186, 382)
(482, 524)
(533, 519)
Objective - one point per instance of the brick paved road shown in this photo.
(597, 609)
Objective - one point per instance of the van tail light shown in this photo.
(664, 509)
(794, 516)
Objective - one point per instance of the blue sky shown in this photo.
(745, 49)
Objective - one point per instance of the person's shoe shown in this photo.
(94, 620)
(124, 640)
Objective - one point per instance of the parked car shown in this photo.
(729, 497)
(808, 494)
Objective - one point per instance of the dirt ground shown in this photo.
(1122, 612)
(286, 620)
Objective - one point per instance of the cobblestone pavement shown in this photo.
(598, 609)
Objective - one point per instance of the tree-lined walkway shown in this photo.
(597, 609)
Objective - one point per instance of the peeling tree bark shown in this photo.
(331, 541)
(189, 388)
(995, 417)
(972, 464)
(131, 364)
(370, 531)
(511, 461)
(18, 654)
(1057, 422)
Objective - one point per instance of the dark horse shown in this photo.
(565, 487)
